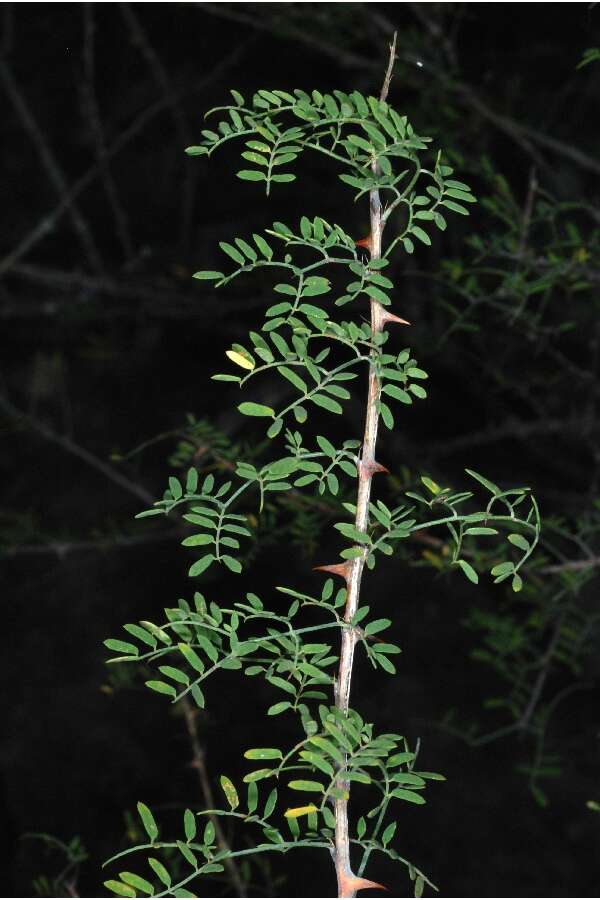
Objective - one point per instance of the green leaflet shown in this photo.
(150, 826)
(256, 409)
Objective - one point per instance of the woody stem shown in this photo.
(346, 880)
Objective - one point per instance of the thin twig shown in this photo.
(538, 687)
(572, 565)
(169, 303)
(512, 429)
(49, 221)
(50, 163)
(281, 25)
(199, 763)
(61, 549)
(76, 450)
(161, 77)
(97, 131)
(527, 213)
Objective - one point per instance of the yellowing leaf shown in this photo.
(300, 811)
(230, 792)
(430, 485)
(240, 360)
(433, 558)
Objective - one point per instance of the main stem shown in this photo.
(348, 883)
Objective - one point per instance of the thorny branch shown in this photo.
(522, 135)
(348, 882)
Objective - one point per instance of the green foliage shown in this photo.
(527, 640)
(288, 794)
(68, 858)
(592, 54)
(530, 276)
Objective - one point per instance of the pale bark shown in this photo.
(348, 883)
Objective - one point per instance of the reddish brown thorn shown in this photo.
(340, 569)
(367, 243)
(372, 467)
(349, 883)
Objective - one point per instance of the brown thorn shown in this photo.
(367, 243)
(340, 569)
(386, 316)
(350, 883)
(372, 467)
(382, 315)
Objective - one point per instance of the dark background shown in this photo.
(106, 341)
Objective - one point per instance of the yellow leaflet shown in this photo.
(240, 360)
(300, 811)
(430, 484)
(433, 558)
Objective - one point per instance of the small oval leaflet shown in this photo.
(298, 811)
(263, 753)
(189, 824)
(230, 792)
(301, 785)
(240, 360)
(148, 822)
(256, 409)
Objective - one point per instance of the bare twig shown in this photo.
(140, 39)
(572, 565)
(569, 151)
(63, 548)
(512, 429)
(76, 450)
(49, 221)
(542, 677)
(159, 302)
(199, 763)
(527, 212)
(281, 23)
(97, 131)
(55, 174)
